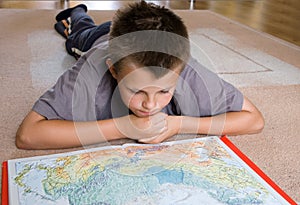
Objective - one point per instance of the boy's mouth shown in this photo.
(145, 114)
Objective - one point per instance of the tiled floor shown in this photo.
(280, 18)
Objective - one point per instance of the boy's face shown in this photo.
(142, 92)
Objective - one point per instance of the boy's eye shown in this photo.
(135, 91)
(164, 91)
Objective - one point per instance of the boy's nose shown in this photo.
(149, 103)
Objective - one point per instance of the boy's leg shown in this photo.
(82, 41)
(67, 12)
(63, 27)
(83, 32)
(80, 20)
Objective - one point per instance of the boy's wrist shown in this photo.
(174, 123)
(110, 129)
(189, 125)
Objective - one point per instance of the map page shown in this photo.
(187, 172)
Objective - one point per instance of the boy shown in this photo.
(134, 79)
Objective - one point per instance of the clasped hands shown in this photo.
(151, 129)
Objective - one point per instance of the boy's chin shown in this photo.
(139, 113)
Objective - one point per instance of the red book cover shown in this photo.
(257, 169)
(4, 198)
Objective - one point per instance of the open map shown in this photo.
(196, 171)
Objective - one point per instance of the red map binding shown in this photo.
(4, 198)
(257, 170)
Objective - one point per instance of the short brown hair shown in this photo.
(148, 35)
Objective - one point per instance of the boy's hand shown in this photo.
(138, 128)
(173, 127)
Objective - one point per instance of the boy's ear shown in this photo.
(111, 68)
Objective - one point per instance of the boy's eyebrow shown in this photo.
(168, 88)
(135, 89)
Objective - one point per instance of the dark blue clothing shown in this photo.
(84, 31)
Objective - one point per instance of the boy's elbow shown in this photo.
(27, 133)
(23, 140)
(259, 125)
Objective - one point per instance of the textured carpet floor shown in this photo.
(266, 69)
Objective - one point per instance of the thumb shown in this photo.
(158, 117)
(147, 140)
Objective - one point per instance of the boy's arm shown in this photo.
(247, 121)
(36, 132)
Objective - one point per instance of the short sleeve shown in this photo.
(200, 92)
(73, 97)
(56, 103)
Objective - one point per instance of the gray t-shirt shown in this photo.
(88, 92)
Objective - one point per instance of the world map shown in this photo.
(187, 172)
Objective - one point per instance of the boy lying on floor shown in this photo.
(134, 78)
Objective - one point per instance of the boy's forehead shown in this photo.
(132, 67)
(143, 77)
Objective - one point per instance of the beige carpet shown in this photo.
(266, 69)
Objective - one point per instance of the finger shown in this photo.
(153, 140)
(159, 125)
(159, 137)
(147, 140)
(158, 118)
(157, 129)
